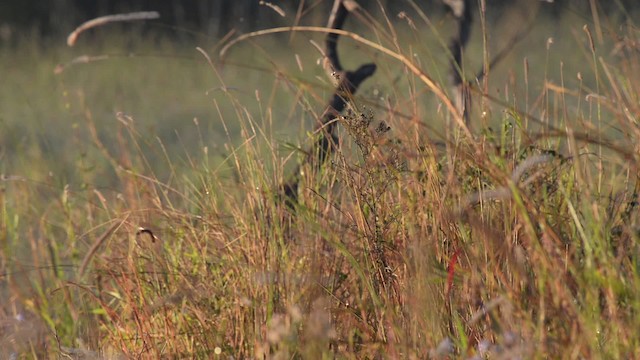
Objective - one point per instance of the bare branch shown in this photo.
(461, 10)
(407, 62)
(336, 21)
(347, 84)
(103, 20)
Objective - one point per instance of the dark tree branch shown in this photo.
(348, 83)
(336, 21)
(461, 10)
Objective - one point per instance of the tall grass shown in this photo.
(519, 242)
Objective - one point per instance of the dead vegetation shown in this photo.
(516, 241)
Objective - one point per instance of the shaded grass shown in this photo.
(380, 258)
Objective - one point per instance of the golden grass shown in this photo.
(518, 241)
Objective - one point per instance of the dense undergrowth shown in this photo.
(412, 242)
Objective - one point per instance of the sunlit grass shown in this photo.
(141, 214)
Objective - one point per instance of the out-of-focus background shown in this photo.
(217, 17)
(152, 72)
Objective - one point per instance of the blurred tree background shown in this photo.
(159, 54)
(218, 17)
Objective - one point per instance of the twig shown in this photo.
(103, 20)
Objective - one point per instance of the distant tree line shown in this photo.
(221, 16)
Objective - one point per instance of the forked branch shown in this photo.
(347, 84)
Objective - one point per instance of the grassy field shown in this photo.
(141, 216)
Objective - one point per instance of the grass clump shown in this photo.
(518, 242)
